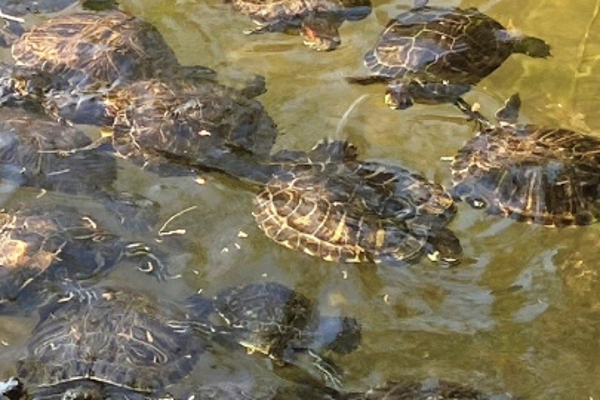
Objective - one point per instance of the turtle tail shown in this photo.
(366, 80)
(532, 46)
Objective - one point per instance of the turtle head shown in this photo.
(321, 33)
(341, 335)
(397, 96)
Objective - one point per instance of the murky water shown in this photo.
(521, 315)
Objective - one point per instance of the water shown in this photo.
(521, 314)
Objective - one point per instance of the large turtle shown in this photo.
(77, 57)
(188, 122)
(537, 174)
(274, 320)
(108, 343)
(317, 20)
(330, 205)
(36, 151)
(435, 54)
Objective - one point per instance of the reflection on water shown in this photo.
(519, 315)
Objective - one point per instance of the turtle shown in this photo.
(274, 320)
(45, 247)
(429, 389)
(36, 151)
(159, 122)
(75, 58)
(316, 20)
(329, 204)
(109, 342)
(262, 389)
(435, 54)
(537, 174)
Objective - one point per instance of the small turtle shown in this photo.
(109, 343)
(431, 389)
(36, 151)
(187, 122)
(435, 54)
(328, 204)
(274, 320)
(79, 56)
(537, 174)
(317, 20)
(43, 248)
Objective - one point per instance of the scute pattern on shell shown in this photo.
(188, 121)
(96, 46)
(41, 247)
(353, 212)
(263, 11)
(541, 175)
(437, 44)
(117, 337)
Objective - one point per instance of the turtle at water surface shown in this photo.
(274, 320)
(435, 54)
(36, 151)
(43, 248)
(76, 58)
(330, 205)
(317, 20)
(537, 174)
(188, 123)
(108, 343)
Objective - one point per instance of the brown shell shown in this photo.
(263, 11)
(115, 337)
(187, 121)
(353, 212)
(96, 46)
(542, 175)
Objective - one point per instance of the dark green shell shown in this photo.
(120, 339)
(536, 174)
(427, 390)
(190, 123)
(440, 44)
(43, 247)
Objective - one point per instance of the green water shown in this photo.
(521, 315)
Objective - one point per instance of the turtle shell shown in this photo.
(43, 247)
(536, 174)
(353, 211)
(88, 47)
(118, 338)
(292, 11)
(265, 316)
(22, 7)
(187, 122)
(440, 44)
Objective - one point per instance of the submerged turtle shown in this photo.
(317, 20)
(537, 174)
(330, 205)
(274, 320)
(428, 390)
(76, 57)
(46, 247)
(435, 54)
(22, 7)
(36, 151)
(109, 343)
(187, 122)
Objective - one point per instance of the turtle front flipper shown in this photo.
(315, 365)
(321, 32)
(532, 46)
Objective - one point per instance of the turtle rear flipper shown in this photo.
(532, 46)
(366, 80)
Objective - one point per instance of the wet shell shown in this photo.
(536, 174)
